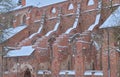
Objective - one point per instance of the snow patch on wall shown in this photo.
(95, 23)
(69, 72)
(74, 26)
(24, 51)
(55, 29)
(96, 72)
(10, 32)
(41, 72)
(39, 30)
(76, 21)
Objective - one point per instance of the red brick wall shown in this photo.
(87, 17)
(14, 41)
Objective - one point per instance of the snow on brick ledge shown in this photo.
(69, 72)
(113, 20)
(24, 51)
(95, 23)
(94, 72)
(10, 32)
(37, 3)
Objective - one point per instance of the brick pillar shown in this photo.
(15, 22)
(28, 19)
(55, 68)
(56, 63)
(105, 63)
(92, 74)
(66, 74)
(113, 63)
(79, 60)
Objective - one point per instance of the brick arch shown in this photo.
(27, 73)
(70, 6)
(23, 19)
(25, 66)
(53, 10)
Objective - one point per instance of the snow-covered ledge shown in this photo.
(39, 30)
(69, 72)
(24, 51)
(113, 20)
(76, 21)
(94, 72)
(55, 29)
(41, 72)
(95, 23)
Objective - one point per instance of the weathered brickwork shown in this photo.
(62, 41)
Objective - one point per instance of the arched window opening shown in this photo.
(27, 73)
(91, 2)
(70, 7)
(24, 19)
(53, 10)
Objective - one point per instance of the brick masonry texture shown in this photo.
(59, 50)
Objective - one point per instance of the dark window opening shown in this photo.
(24, 19)
(27, 73)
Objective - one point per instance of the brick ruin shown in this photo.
(66, 39)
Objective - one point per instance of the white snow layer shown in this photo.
(40, 3)
(113, 20)
(95, 23)
(8, 33)
(24, 51)
(55, 29)
(95, 72)
(69, 72)
(97, 46)
(39, 30)
(41, 72)
(62, 72)
(74, 26)
(76, 21)
(90, 2)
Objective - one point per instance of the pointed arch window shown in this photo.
(70, 7)
(53, 10)
(27, 73)
(91, 2)
(24, 19)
